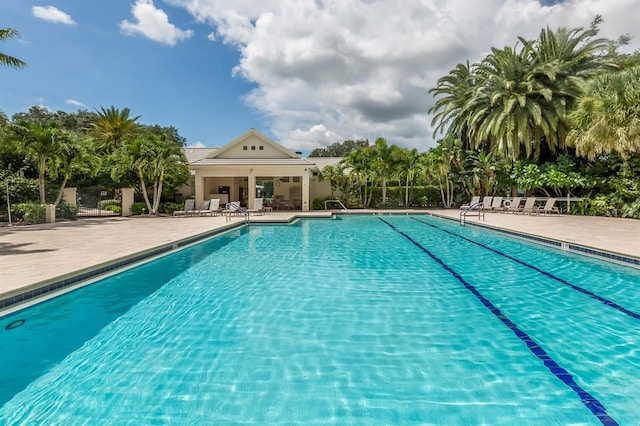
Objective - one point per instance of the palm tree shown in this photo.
(113, 127)
(73, 154)
(517, 99)
(452, 93)
(357, 163)
(383, 164)
(334, 174)
(409, 164)
(6, 60)
(153, 157)
(607, 118)
(42, 142)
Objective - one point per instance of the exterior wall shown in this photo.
(252, 144)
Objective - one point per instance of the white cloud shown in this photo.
(347, 69)
(197, 144)
(154, 24)
(211, 36)
(75, 103)
(52, 14)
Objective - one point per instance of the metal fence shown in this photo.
(99, 202)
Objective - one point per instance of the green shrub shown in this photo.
(66, 211)
(318, 203)
(138, 208)
(103, 204)
(113, 208)
(29, 212)
(169, 208)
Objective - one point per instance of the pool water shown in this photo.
(358, 320)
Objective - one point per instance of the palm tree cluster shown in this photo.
(516, 101)
(108, 144)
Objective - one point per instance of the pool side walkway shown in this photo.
(35, 256)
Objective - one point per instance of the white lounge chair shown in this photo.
(189, 208)
(514, 206)
(257, 206)
(496, 204)
(474, 200)
(214, 208)
(203, 209)
(549, 207)
(486, 202)
(529, 206)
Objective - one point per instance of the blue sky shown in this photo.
(306, 73)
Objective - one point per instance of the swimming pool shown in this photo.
(361, 320)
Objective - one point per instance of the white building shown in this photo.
(254, 166)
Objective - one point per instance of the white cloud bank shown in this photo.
(154, 24)
(329, 70)
(52, 14)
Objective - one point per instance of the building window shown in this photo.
(261, 148)
(244, 148)
(284, 179)
(296, 179)
(253, 148)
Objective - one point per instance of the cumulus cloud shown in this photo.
(197, 144)
(330, 70)
(154, 24)
(75, 103)
(52, 14)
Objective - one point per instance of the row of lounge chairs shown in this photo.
(212, 208)
(498, 204)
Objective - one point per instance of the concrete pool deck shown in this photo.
(34, 256)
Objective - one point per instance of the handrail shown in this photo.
(335, 201)
(228, 209)
(479, 207)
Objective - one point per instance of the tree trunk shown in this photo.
(41, 170)
(64, 183)
(144, 190)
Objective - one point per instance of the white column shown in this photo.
(199, 182)
(127, 201)
(251, 187)
(305, 191)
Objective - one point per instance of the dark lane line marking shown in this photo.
(583, 290)
(587, 399)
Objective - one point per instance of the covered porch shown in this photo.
(281, 188)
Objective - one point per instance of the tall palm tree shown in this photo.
(357, 163)
(113, 127)
(383, 164)
(409, 164)
(452, 93)
(6, 60)
(517, 99)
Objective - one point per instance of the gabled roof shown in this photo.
(195, 154)
(252, 133)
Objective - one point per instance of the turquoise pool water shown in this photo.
(359, 320)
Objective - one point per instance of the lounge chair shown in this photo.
(203, 209)
(514, 207)
(486, 202)
(257, 206)
(549, 207)
(214, 207)
(474, 200)
(496, 205)
(189, 208)
(529, 206)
